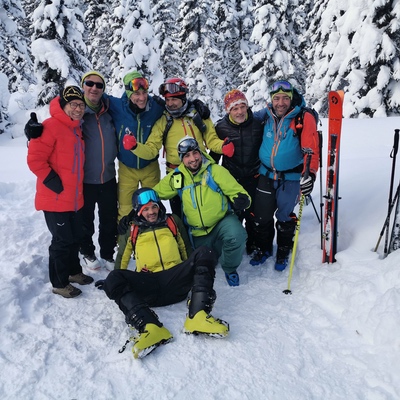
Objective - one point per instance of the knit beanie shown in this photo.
(233, 98)
(93, 73)
(70, 93)
(129, 77)
(280, 91)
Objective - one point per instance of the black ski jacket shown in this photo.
(247, 138)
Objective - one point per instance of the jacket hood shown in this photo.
(58, 113)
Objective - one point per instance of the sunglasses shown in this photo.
(147, 196)
(138, 83)
(284, 86)
(171, 88)
(99, 85)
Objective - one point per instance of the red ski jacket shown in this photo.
(60, 148)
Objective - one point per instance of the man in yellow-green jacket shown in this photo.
(208, 193)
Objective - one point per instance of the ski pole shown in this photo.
(393, 155)
(296, 239)
(387, 220)
(296, 236)
(321, 203)
(310, 200)
(390, 206)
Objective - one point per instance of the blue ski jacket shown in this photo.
(139, 124)
(280, 152)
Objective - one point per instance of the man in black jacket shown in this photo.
(245, 132)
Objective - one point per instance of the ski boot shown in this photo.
(259, 257)
(232, 278)
(285, 233)
(282, 258)
(199, 319)
(152, 333)
(148, 340)
(203, 323)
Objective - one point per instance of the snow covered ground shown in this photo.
(336, 337)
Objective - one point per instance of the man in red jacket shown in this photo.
(57, 158)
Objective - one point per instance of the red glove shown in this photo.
(228, 148)
(129, 142)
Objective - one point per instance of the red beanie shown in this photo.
(233, 98)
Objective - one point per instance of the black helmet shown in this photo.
(187, 144)
(142, 196)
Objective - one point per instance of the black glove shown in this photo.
(202, 109)
(241, 202)
(53, 182)
(307, 184)
(33, 128)
(124, 224)
(100, 284)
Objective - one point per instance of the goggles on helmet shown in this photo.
(149, 195)
(171, 88)
(283, 86)
(186, 145)
(138, 83)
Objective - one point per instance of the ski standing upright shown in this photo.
(330, 232)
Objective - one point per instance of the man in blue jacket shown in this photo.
(134, 114)
(282, 155)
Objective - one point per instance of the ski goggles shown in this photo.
(137, 84)
(146, 197)
(99, 85)
(283, 86)
(186, 145)
(171, 88)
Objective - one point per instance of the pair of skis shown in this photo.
(330, 221)
(330, 228)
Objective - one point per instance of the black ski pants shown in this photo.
(66, 230)
(132, 290)
(105, 196)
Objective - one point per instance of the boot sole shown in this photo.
(210, 334)
(213, 335)
(145, 352)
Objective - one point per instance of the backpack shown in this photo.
(299, 118)
(169, 222)
(195, 117)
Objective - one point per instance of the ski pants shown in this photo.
(273, 197)
(133, 290)
(228, 240)
(66, 230)
(105, 196)
(250, 184)
(129, 180)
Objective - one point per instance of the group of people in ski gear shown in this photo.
(218, 211)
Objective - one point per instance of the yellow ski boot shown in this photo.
(206, 324)
(148, 340)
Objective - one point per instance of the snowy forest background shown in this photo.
(216, 45)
